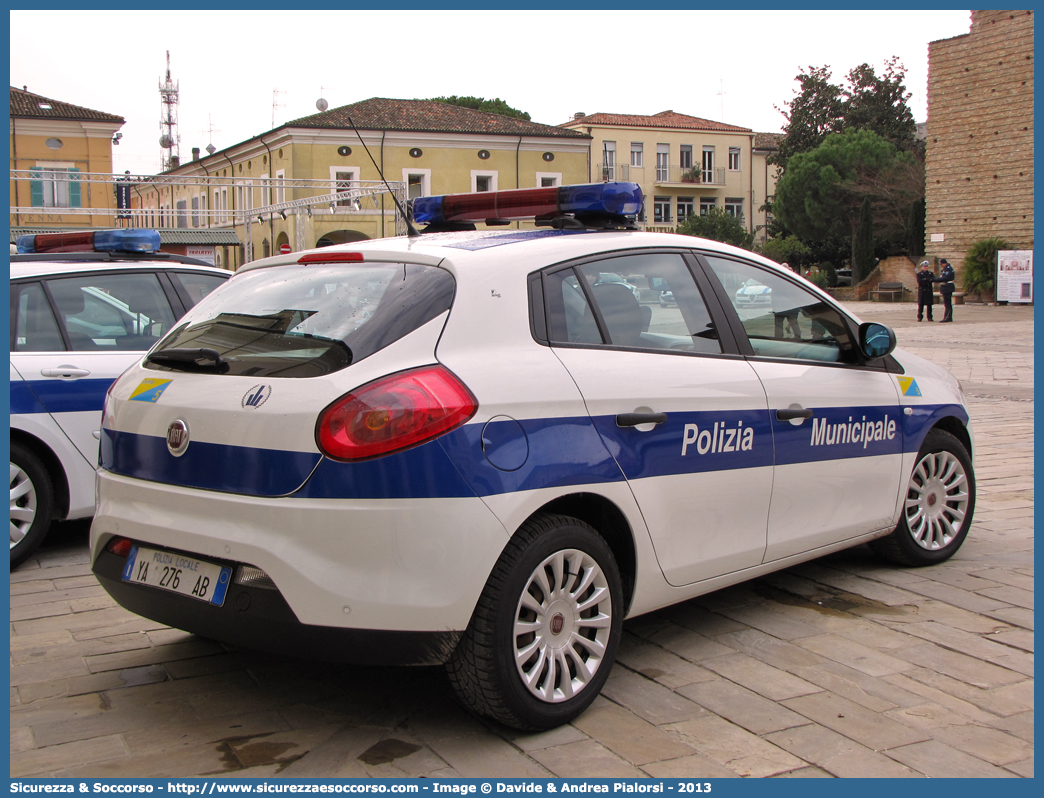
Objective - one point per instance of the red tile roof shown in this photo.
(25, 104)
(427, 116)
(664, 119)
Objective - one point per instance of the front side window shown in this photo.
(781, 318)
(294, 322)
(112, 311)
(643, 301)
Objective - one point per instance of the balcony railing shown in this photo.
(666, 175)
(609, 173)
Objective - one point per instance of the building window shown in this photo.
(685, 156)
(182, 215)
(483, 180)
(224, 205)
(418, 182)
(195, 211)
(734, 159)
(637, 151)
(706, 203)
(343, 179)
(686, 208)
(708, 164)
(280, 185)
(663, 155)
(54, 187)
(734, 207)
(608, 160)
(661, 209)
(548, 179)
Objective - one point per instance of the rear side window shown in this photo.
(33, 327)
(298, 321)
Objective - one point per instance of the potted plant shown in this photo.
(693, 175)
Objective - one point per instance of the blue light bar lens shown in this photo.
(129, 240)
(427, 210)
(623, 199)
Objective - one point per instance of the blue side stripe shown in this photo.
(209, 466)
(58, 396)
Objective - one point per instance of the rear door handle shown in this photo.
(66, 372)
(794, 411)
(634, 419)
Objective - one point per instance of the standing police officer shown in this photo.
(946, 277)
(925, 287)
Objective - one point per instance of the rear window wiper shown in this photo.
(190, 360)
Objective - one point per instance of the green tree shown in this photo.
(495, 106)
(718, 225)
(866, 101)
(880, 104)
(980, 264)
(863, 251)
(815, 112)
(915, 229)
(821, 193)
(788, 249)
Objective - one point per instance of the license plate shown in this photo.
(177, 573)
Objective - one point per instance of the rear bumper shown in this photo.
(260, 618)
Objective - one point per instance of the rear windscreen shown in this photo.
(305, 321)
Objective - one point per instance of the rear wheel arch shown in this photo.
(611, 524)
(50, 461)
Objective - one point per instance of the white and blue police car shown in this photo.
(468, 447)
(84, 306)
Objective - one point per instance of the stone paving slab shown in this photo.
(841, 667)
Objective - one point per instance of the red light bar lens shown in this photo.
(516, 204)
(331, 257)
(65, 242)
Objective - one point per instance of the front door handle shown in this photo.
(66, 372)
(634, 419)
(792, 412)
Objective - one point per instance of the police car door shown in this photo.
(835, 418)
(104, 323)
(687, 423)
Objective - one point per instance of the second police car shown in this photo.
(470, 448)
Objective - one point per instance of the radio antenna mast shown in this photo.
(170, 137)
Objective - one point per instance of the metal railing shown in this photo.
(680, 175)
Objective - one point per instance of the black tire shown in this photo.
(483, 668)
(938, 508)
(32, 502)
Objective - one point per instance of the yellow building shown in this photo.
(684, 164)
(56, 149)
(311, 182)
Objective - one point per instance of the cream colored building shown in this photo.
(55, 149)
(684, 164)
(311, 182)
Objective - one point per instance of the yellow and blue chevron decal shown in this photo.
(149, 390)
(909, 386)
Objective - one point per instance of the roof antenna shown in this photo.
(411, 231)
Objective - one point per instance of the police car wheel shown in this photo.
(940, 500)
(32, 498)
(543, 637)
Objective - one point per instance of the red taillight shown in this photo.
(119, 546)
(331, 257)
(394, 413)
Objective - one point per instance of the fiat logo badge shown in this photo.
(557, 622)
(177, 437)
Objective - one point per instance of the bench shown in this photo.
(958, 298)
(891, 290)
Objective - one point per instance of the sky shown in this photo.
(241, 73)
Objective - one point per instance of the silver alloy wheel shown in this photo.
(562, 625)
(23, 504)
(936, 500)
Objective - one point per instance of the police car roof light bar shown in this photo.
(123, 240)
(608, 199)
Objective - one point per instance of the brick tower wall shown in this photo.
(979, 163)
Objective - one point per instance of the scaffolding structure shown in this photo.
(165, 201)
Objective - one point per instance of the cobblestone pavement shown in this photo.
(838, 667)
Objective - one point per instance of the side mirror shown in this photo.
(876, 340)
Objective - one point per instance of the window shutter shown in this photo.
(74, 188)
(36, 188)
